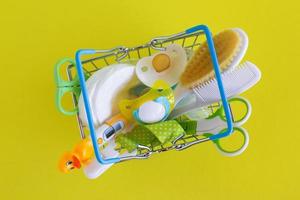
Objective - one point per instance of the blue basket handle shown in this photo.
(81, 77)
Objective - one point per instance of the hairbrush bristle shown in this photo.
(200, 68)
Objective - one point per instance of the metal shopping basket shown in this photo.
(189, 39)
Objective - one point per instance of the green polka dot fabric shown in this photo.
(153, 134)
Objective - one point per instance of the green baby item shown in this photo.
(65, 86)
(197, 128)
(159, 89)
(189, 126)
(150, 135)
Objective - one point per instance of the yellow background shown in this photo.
(35, 34)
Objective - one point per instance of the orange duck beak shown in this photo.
(68, 162)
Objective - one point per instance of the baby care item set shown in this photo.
(171, 93)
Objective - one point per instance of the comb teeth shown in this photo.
(235, 82)
(213, 79)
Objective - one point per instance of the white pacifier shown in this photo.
(166, 65)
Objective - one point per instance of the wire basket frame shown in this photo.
(123, 54)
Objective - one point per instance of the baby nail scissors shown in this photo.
(218, 119)
(227, 152)
(65, 86)
(216, 123)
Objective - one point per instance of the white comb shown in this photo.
(235, 82)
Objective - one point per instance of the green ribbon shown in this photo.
(150, 135)
(189, 126)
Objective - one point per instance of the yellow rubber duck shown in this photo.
(81, 155)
